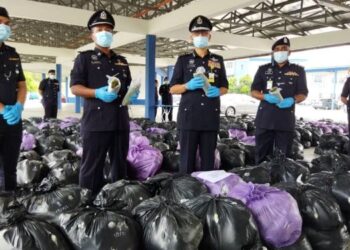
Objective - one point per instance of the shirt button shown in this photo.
(203, 95)
(202, 104)
(98, 108)
(280, 72)
(185, 109)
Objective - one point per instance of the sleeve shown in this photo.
(58, 86)
(21, 76)
(223, 83)
(42, 85)
(178, 73)
(258, 82)
(78, 74)
(302, 85)
(161, 90)
(346, 89)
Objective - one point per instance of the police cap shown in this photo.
(282, 41)
(101, 17)
(200, 23)
(3, 12)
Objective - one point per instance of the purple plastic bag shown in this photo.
(28, 141)
(237, 133)
(136, 138)
(219, 182)
(250, 140)
(157, 131)
(145, 160)
(276, 212)
(134, 126)
(69, 119)
(217, 162)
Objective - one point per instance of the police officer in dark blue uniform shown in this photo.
(49, 89)
(105, 122)
(275, 120)
(13, 92)
(345, 98)
(199, 112)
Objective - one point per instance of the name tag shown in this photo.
(269, 84)
(211, 77)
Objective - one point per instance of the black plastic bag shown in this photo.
(60, 155)
(337, 239)
(48, 143)
(227, 223)
(161, 146)
(258, 174)
(30, 172)
(177, 187)
(29, 155)
(232, 158)
(331, 161)
(66, 172)
(130, 192)
(302, 244)
(73, 142)
(91, 228)
(20, 231)
(322, 180)
(168, 225)
(49, 200)
(249, 151)
(341, 190)
(171, 161)
(319, 210)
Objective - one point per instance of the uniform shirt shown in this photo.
(90, 70)
(164, 92)
(346, 91)
(11, 73)
(50, 89)
(197, 111)
(291, 79)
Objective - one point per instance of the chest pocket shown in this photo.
(289, 86)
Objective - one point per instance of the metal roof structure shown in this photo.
(47, 29)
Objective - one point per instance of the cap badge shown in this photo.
(199, 20)
(285, 40)
(103, 15)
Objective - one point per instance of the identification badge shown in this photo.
(269, 84)
(211, 77)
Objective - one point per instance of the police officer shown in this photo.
(345, 98)
(167, 100)
(105, 122)
(199, 111)
(156, 97)
(275, 120)
(13, 92)
(49, 89)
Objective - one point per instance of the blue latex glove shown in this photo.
(271, 99)
(13, 113)
(103, 94)
(213, 92)
(134, 97)
(196, 82)
(286, 103)
(5, 109)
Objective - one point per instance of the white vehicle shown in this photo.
(232, 104)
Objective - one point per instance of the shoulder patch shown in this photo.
(86, 51)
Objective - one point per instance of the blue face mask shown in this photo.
(104, 39)
(5, 32)
(200, 41)
(280, 56)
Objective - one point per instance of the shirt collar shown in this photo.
(194, 53)
(284, 66)
(100, 53)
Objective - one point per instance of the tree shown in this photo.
(245, 82)
(232, 84)
(31, 81)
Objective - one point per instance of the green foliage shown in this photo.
(32, 81)
(241, 87)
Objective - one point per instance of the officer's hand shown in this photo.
(196, 82)
(286, 103)
(271, 99)
(13, 114)
(103, 94)
(134, 97)
(213, 92)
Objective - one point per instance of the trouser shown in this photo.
(50, 110)
(96, 145)
(267, 141)
(190, 141)
(10, 143)
(167, 111)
